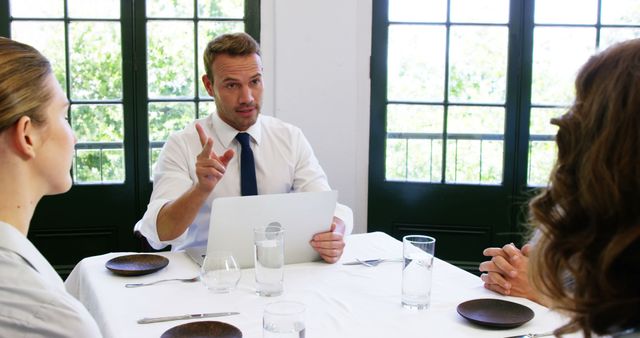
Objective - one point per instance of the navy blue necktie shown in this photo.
(248, 185)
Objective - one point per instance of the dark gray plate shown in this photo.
(495, 312)
(136, 265)
(206, 329)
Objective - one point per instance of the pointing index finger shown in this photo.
(202, 134)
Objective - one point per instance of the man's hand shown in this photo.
(210, 167)
(506, 273)
(330, 244)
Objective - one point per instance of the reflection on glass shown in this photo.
(540, 122)
(47, 37)
(396, 160)
(102, 9)
(414, 118)
(472, 120)
(424, 162)
(418, 10)
(166, 118)
(485, 11)
(207, 31)
(620, 12)
(169, 8)
(566, 11)
(478, 64)
(221, 8)
(98, 122)
(558, 53)
(170, 59)
(36, 8)
(416, 62)
(610, 36)
(96, 61)
(542, 155)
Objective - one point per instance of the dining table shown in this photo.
(350, 301)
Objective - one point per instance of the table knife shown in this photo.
(183, 317)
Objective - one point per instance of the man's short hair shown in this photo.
(233, 44)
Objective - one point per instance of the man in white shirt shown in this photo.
(199, 163)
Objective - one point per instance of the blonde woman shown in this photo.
(36, 149)
(585, 258)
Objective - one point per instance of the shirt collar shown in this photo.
(13, 240)
(227, 133)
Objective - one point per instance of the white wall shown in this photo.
(316, 60)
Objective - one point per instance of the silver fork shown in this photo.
(375, 262)
(532, 335)
(185, 280)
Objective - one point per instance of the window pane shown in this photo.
(154, 153)
(170, 55)
(169, 8)
(221, 8)
(463, 161)
(474, 120)
(566, 11)
(396, 160)
(87, 164)
(485, 11)
(36, 8)
(100, 148)
(95, 60)
(558, 53)
(609, 36)
(414, 118)
(206, 108)
(620, 12)
(418, 10)
(166, 118)
(104, 9)
(478, 64)
(542, 155)
(475, 146)
(416, 63)
(47, 37)
(207, 31)
(424, 160)
(113, 165)
(540, 123)
(98, 123)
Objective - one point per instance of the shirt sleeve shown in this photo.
(172, 177)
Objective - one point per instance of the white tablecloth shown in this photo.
(342, 301)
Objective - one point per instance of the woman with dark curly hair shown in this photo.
(585, 260)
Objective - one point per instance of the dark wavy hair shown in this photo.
(586, 257)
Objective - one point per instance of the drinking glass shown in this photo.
(220, 272)
(283, 319)
(417, 268)
(269, 259)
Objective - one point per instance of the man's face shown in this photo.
(236, 88)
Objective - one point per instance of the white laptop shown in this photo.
(301, 215)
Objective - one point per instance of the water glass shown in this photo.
(269, 259)
(220, 272)
(283, 320)
(417, 268)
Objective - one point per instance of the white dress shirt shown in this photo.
(284, 163)
(33, 299)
